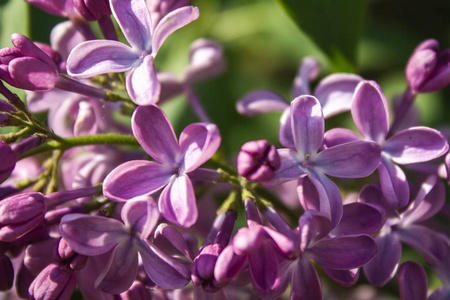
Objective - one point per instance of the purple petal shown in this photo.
(99, 57)
(162, 269)
(170, 23)
(382, 268)
(307, 125)
(312, 226)
(199, 142)
(121, 270)
(171, 241)
(337, 136)
(290, 165)
(153, 130)
(64, 37)
(142, 84)
(349, 160)
(40, 101)
(135, 178)
(432, 245)
(228, 264)
(285, 132)
(309, 69)
(305, 283)
(393, 184)
(442, 293)
(417, 144)
(343, 277)
(359, 218)
(91, 235)
(63, 8)
(86, 121)
(259, 102)
(32, 74)
(428, 202)
(141, 216)
(346, 252)
(134, 20)
(370, 111)
(335, 93)
(177, 202)
(264, 269)
(412, 281)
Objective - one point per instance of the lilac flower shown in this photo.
(258, 161)
(177, 160)
(406, 227)
(54, 282)
(417, 144)
(350, 160)
(412, 281)
(103, 56)
(95, 235)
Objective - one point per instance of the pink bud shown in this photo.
(258, 161)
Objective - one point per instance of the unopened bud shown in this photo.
(258, 161)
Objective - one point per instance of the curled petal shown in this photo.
(382, 268)
(91, 235)
(343, 277)
(170, 23)
(308, 70)
(135, 178)
(312, 227)
(337, 136)
(259, 102)
(198, 143)
(285, 133)
(264, 269)
(177, 202)
(335, 93)
(134, 20)
(307, 125)
(370, 111)
(140, 215)
(305, 281)
(156, 137)
(228, 264)
(171, 241)
(349, 160)
(412, 280)
(393, 184)
(417, 144)
(100, 57)
(64, 37)
(142, 84)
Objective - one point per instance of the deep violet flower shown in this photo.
(175, 161)
(310, 167)
(104, 56)
(417, 144)
(96, 235)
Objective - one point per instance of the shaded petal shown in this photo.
(432, 245)
(312, 226)
(359, 218)
(290, 166)
(170, 23)
(228, 264)
(100, 57)
(162, 269)
(91, 235)
(171, 241)
(259, 102)
(177, 202)
(135, 178)
(346, 252)
(343, 277)
(335, 93)
(153, 130)
(350, 160)
(285, 132)
(43, 101)
(337, 136)
(135, 22)
(121, 270)
(142, 84)
(412, 281)
(264, 269)
(308, 70)
(64, 37)
(140, 215)
(32, 74)
(383, 267)
(370, 111)
(393, 184)
(305, 283)
(198, 143)
(307, 125)
(414, 145)
(442, 293)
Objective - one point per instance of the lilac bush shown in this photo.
(112, 188)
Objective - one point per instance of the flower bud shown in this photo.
(258, 161)
(92, 10)
(5, 107)
(54, 282)
(159, 8)
(206, 61)
(8, 158)
(64, 254)
(63, 8)
(428, 69)
(137, 291)
(203, 267)
(6, 273)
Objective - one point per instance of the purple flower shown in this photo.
(198, 142)
(428, 69)
(96, 235)
(258, 161)
(104, 56)
(413, 282)
(310, 167)
(417, 144)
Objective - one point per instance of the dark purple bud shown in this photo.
(65, 255)
(6, 273)
(20, 214)
(55, 56)
(428, 69)
(258, 161)
(63, 8)
(54, 282)
(92, 10)
(8, 158)
(26, 66)
(203, 267)
(27, 144)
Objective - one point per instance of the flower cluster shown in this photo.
(105, 200)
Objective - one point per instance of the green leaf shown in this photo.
(14, 16)
(334, 25)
